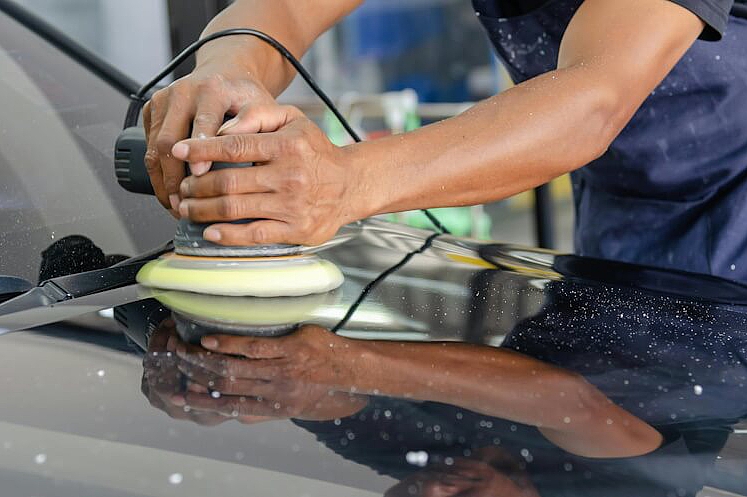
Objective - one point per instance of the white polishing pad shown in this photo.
(290, 276)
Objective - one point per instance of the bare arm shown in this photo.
(295, 23)
(612, 56)
(569, 411)
(496, 382)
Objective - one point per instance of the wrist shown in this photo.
(364, 182)
(235, 54)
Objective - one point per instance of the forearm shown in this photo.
(295, 23)
(610, 60)
(492, 381)
(501, 383)
(507, 144)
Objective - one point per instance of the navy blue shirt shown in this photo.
(715, 13)
(671, 190)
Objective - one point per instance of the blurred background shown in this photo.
(391, 66)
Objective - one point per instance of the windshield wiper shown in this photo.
(64, 288)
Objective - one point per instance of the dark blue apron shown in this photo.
(672, 189)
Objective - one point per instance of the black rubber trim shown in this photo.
(92, 62)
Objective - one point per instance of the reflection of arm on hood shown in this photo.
(665, 360)
(399, 438)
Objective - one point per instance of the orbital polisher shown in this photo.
(198, 265)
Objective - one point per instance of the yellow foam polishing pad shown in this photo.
(289, 276)
(251, 311)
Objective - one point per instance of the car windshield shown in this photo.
(57, 137)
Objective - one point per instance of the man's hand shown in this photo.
(302, 188)
(301, 376)
(198, 101)
(163, 383)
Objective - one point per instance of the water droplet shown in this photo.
(698, 390)
(215, 394)
(100, 373)
(417, 458)
(176, 478)
(40, 458)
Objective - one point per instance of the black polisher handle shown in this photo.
(129, 162)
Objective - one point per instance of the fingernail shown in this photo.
(228, 124)
(209, 342)
(181, 351)
(184, 188)
(178, 400)
(184, 209)
(211, 234)
(174, 201)
(199, 168)
(180, 150)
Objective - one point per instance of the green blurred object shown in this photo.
(460, 221)
(334, 129)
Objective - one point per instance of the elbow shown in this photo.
(607, 114)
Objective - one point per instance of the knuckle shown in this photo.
(205, 119)
(260, 234)
(164, 143)
(179, 87)
(152, 163)
(158, 97)
(299, 145)
(234, 148)
(227, 183)
(212, 83)
(228, 208)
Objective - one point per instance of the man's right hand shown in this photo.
(200, 102)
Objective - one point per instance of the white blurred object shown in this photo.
(133, 36)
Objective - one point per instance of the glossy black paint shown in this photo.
(669, 348)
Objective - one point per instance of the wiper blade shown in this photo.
(64, 288)
(70, 287)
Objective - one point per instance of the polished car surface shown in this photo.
(455, 368)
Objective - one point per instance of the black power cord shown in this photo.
(139, 98)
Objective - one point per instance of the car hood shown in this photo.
(73, 417)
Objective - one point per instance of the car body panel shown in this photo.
(668, 347)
